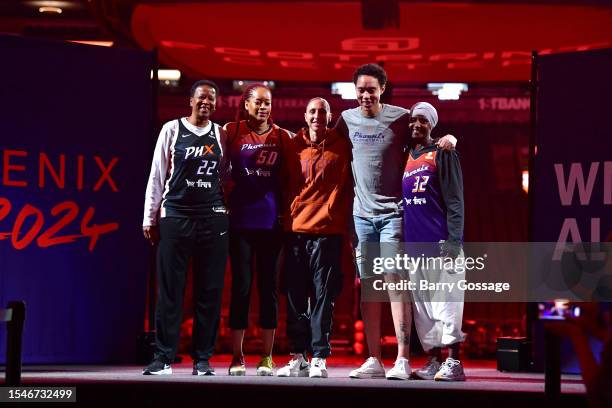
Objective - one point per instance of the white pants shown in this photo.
(438, 315)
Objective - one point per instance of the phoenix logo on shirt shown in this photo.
(249, 146)
(199, 151)
(359, 137)
(415, 171)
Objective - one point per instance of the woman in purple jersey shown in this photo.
(254, 147)
(432, 187)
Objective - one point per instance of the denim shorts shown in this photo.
(379, 235)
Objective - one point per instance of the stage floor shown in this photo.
(482, 375)
(484, 384)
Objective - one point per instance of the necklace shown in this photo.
(256, 132)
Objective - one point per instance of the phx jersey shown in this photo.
(185, 174)
(255, 159)
(432, 189)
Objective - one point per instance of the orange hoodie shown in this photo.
(317, 184)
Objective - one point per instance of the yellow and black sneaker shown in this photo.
(265, 367)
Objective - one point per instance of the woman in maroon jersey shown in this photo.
(254, 147)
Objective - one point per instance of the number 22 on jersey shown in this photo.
(208, 166)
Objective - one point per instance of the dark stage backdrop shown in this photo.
(572, 178)
(572, 189)
(75, 126)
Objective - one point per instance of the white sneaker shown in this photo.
(450, 370)
(371, 368)
(296, 367)
(429, 370)
(400, 371)
(318, 368)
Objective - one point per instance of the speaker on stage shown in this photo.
(513, 354)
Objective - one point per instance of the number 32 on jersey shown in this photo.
(420, 183)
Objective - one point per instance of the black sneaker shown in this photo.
(157, 367)
(202, 368)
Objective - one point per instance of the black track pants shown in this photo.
(205, 240)
(314, 280)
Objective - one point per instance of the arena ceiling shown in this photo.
(324, 41)
(427, 41)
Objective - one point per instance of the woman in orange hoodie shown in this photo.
(317, 186)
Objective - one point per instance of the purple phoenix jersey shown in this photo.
(432, 190)
(255, 158)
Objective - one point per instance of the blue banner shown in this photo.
(75, 137)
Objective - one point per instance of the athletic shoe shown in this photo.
(318, 368)
(237, 366)
(157, 367)
(450, 370)
(265, 367)
(371, 368)
(400, 371)
(296, 367)
(202, 368)
(429, 370)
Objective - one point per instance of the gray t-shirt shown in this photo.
(378, 159)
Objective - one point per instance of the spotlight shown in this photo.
(447, 91)
(345, 89)
(240, 85)
(169, 74)
(168, 77)
(96, 43)
(50, 10)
